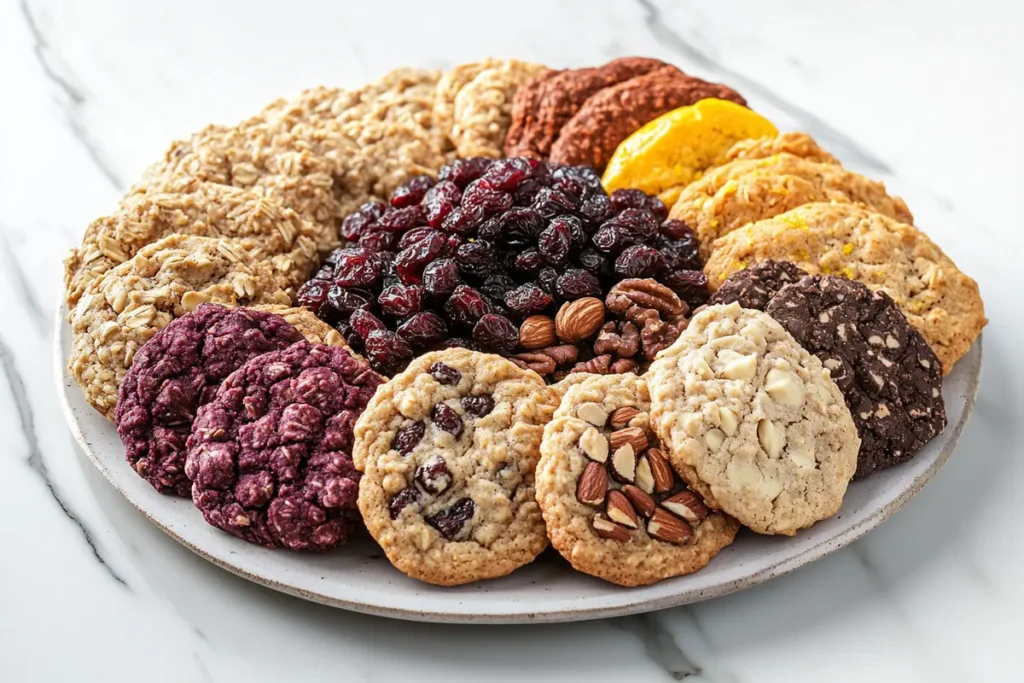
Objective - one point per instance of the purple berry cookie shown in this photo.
(270, 456)
(177, 371)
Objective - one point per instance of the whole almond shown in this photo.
(620, 417)
(621, 511)
(593, 485)
(606, 528)
(667, 527)
(661, 470)
(537, 332)
(577, 320)
(642, 502)
(634, 436)
(687, 505)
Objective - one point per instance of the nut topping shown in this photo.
(537, 332)
(620, 417)
(592, 413)
(644, 476)
(661, 470)
(772, 438)
(624, 464)
(667, 527)
(593, 485)
(634, 436)
(605, 528)
(594, 444)
(621, 511)
(784, 387)
(687, 505)
(577, 320)
(642, 502)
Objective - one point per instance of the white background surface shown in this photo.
(924, 95)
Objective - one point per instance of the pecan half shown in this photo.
(644, 294)
(657, 335)
(598, 365)
(622, 366)
(537, 361)
(562, 354)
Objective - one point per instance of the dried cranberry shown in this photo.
(412, 191)
(402, 500)
(401, 300)
(519, 227)
(489, 201)
(387, 352)
(363, 323)
(527, 299)
(676, 229)
(400, 220)
(441, 276)
(408, 437)
(378, 241)
(593, 261)
(632, 226)
(440, 201)
(635, 199)
(445, 417)
(464, 171)
(357, 268)
(415, 235)
(547, 279)
(478, 406)
(423, 329)
(640, 261)
(355, 224)
(550, 203)
(433, 475)
(464, 220)
(576, 284)
(451, 245)
(445, 374)
(528, 263)
(496, 333)
(466, 305)
(682, 254)
(476, 258)
(313, 295)
(506, 174)
(457, 343)
(348, 300)
(524, 194)
(585, 176)
(344, 328)
(411, 261)
(555, 241)
(690, 285)
(597, 209)
(497, 285)
(449, 522)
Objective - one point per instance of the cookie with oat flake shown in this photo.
(122, 310)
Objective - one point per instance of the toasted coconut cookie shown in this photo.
(748, 190)
(448, 448)
(613, 506)
(753, 422)
(122, 310)
(842, 239)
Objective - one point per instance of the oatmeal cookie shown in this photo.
(753, 422)
(798, 144)
(609, 116)
(842, 239)
(193, 207)
(748, 190)
(448, 449)
(540, 109)
(179, 370)
(121, 310)
(482, 109)
(270, 456)
(890, 377)
(612, 504)
(755, 286)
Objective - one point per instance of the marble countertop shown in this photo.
(925, 96)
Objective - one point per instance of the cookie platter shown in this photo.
(460, 346)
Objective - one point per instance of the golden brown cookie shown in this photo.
(843, 239)
(798, 144)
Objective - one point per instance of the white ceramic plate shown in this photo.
(358, 576)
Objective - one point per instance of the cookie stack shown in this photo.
(620, 312)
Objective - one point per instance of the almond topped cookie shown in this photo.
(613, 506)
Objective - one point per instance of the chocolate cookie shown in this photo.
(542, 106)
(177, 371)
(755, 286)
(270, 456)
(608, 117)
(890, 377)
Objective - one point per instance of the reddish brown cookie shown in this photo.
(608, 117)
(544, 105)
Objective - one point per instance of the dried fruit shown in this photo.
(496, 333)
(433, 475)
(478, 406)
(445, 417)
(402, 500)
(445, 374)
(449, 522)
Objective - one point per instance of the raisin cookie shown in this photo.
(179, 370)
(448, 449)
(755, 286)
(270, 456)
(122, 310)
(737, 193)
(193, 207)
(842, 239)
(612, 504)
(890, 377)
(753, 422)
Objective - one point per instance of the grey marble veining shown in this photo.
(926, 96)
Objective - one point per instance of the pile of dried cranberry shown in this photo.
(461, 260)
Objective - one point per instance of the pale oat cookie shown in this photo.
(748, 190)
(842, 239)
(482, 110)
(122, 309)
(798, 144)
(449, 448)
(749, 414)
(624, 517)
(449, 85)
(309, 326)
(194, 207)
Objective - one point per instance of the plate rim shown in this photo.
(811, 554)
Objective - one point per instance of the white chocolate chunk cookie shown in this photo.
(753, 421)
(612, 504)
(449, 448)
